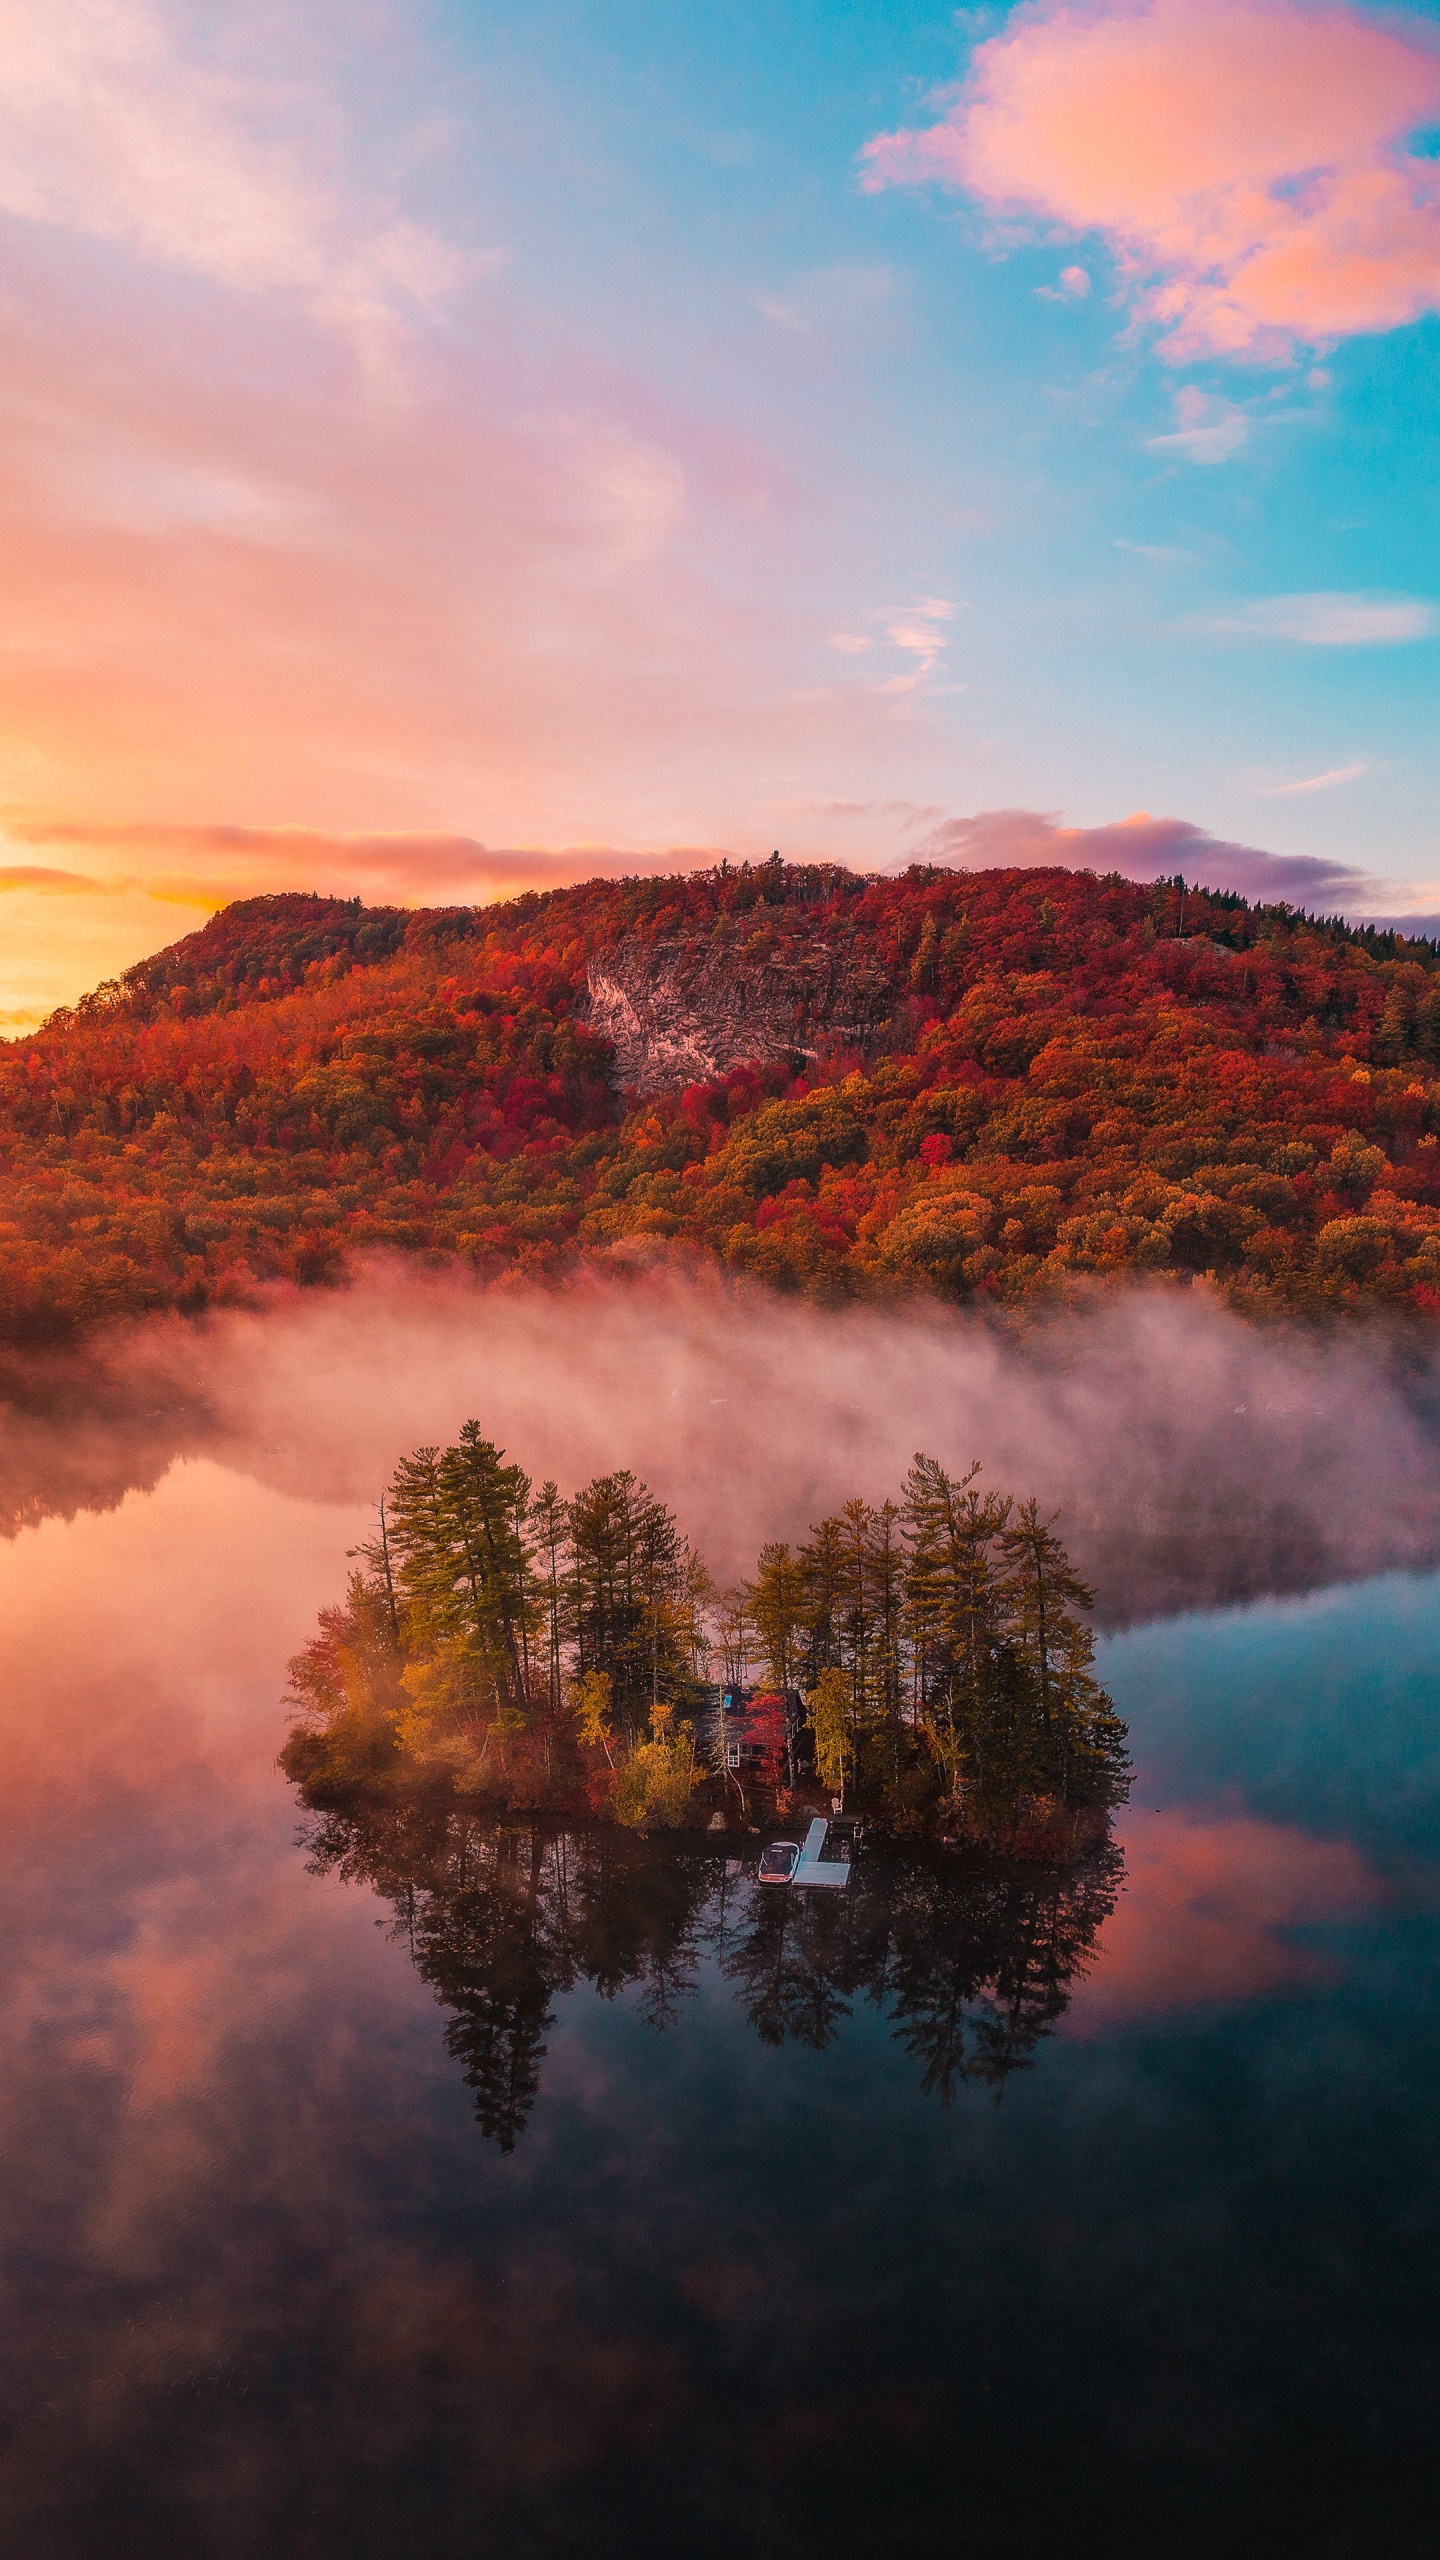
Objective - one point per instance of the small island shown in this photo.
(924, 1662)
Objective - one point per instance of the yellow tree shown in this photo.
(828, 1707)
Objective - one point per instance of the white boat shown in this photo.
(778, 1862)
(812, 1865)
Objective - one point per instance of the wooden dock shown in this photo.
(814, 1867)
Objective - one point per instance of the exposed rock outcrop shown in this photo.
(681, 1012)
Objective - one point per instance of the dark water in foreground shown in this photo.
(969, 2216)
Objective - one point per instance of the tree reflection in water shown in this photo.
(971, 1966)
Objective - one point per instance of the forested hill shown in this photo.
(994, 1085)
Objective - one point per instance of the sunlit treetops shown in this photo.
(929, 1658)
(1068, 1088)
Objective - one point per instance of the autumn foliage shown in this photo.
(1078, 1079)
(541, 1654)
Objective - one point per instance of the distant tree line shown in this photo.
(927, 1659)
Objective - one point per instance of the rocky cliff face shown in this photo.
(679, 1013)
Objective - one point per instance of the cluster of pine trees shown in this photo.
(522, 1644)
(927, 1659)
(952, 1619)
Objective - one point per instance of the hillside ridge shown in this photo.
(993, 1086)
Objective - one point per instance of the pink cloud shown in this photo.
(112, 125)
(384, 638)
(1208, 1913)
(424, 610)
(1141, 847)
(1207, 428)
(532, 604)
(1244, 159)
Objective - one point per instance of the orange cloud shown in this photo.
(217, 862)
(1208, 1912)
(67, 929)
(41, 881)
(1245, 160)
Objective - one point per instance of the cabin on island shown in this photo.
(743, 1747)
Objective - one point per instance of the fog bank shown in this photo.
(1192, 1456)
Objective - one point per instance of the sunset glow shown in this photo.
(719, 1278)
(450, 450)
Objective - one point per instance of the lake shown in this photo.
(430, 2190)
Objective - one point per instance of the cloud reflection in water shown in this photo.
(268, 2289)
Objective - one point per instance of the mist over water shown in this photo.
(269, 2286)
(1192, 1456)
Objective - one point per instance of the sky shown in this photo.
(449, 448)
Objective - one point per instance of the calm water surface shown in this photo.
(414, 2190)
